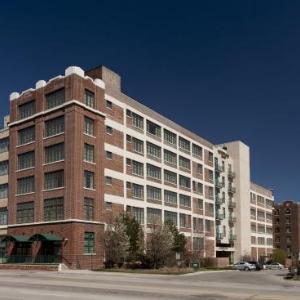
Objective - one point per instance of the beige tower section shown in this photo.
(240, 154)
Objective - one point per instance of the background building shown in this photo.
(82, 152)
(286, 220)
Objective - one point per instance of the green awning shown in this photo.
(17, 238)
(46, 237)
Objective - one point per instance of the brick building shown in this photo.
(81, 151)
(286, 220)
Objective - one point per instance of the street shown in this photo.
(89, 285)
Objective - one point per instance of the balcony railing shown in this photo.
(231, 189)
(219, 236)
(232, 237)
(231, 204)
(219, 215)
(231, 174)
(219, 168)
(219, 184)
(231, 219)
(219, 200)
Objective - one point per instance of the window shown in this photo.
(88, 153)
(89, 242)
(54, 153)
(108, 104)
(170, 137)
(210, 157)
(170, 177)
(54, 209)
(261, 240)
(55, 98)
(253, 240)
(184, 163)
(153, 216)
(26, 135)
(185, 200)
(253, 213)
(137, 146)
(108, 180)
(153, 193)
(153, 128)
(153, 151)
(287, 211)
(89, 98)
(25, 185)
(137, 213)
(199, 169)
(198, 225)
(260, 216)
(3, 216)
(170, 217)
(26, 160)
(88, 209)
(253, 228)
(184, 182)
(197, 151)
(184, 145)
(108, 205)
(269, 241)
(89, 180)
(170, 197)
(137, 168)
(25, 212)
(54, 126)
(137, 121)
(198, 243)
(26, 110)
(197, 187)
(137, 191)
(252, 198)
(199, 203)
(210, 192)
(170, 158)
(108, 154)
(109, 130)
(3, 191)
(54, 180)
(185, 220)
(3, 168)
(208, 225)
(261, 229)
(88, 126)
(4, 145)
(153, 172)
(260, 200)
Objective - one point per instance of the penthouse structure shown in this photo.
(82, 152)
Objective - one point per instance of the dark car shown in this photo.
(258, 266)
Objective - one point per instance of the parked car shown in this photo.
(244, 266)
(258, 266)
(275, 266)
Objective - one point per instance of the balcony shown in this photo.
(219, 184)
(231, 204)
(219, 200)
(219, 236)
(232, 219)
(231, 189)
(219, 168)
(231, 174)
(220, 216)
(232, 237)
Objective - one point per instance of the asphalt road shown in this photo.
(86, 285)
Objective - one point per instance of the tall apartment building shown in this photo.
(286, 220)
(81, 152)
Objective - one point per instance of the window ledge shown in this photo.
(53, 162)
(26, 169)
(54, 135)
(26, 144)
(17, 195)
(54, 189)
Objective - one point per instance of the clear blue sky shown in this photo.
(227, 70)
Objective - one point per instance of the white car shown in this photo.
(244, 266)
(275, 266)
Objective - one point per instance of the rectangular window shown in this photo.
(153, 128)
(184, 163)
(137, 191)
(26, 160)
(170, 217)
(197, 151)
(108, 154)
(4, 168)
(89, 98)
(170, 158)
(54, 153)
(25, 185)
(3, 191)
(170, 137)
(199, 169)
(3, 216)
(137, 146)
(198, 243)
(153, 216)
(210, 157)
(137, 121)
(170, 197)
(108, 180)
(54, 209)
(26, 110)
(89, 209)
(54, 126)
(153, 151)
(89, 242)
(153, 193)
(108, 104)
(25, 212)
(54, 180)
(185, 220)
(89, 180)
(88, 153)
(88, 126)
(109, 130)
(26, 135)
(137, 213)
(185, 200)
(153, 172)
(197, 187)
(4, 145)
(170, 177)
(55, 98)
(137, 168)
(184, 182)
(184, 145)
